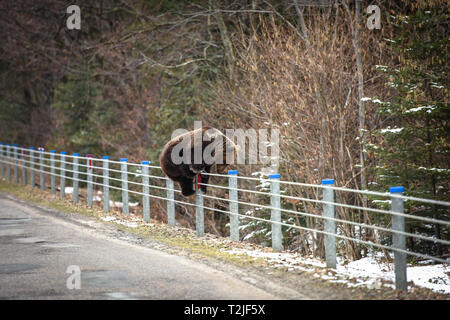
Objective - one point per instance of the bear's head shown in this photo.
(228, 148)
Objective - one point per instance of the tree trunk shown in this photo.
(225, 38)
(354, 25)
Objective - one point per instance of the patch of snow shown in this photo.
(434, 277)
(250, 235)
(392, 84)
(131, 224)
(433, 169)
(381, 67)
(108, 218)
(286, 259)
(119, 204)
(428, 109)
(373, 100)
(127, 223)
(68, 190)
(394, 130)
(369, 271)
(381, 201)
(115, 204)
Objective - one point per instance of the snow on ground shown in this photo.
(108, 218)
(119, 204)
(369, 271)
(282, 259)
(132, 224)
(434, 277)
(68, 190)
(99, 197)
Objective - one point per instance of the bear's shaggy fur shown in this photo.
(185, 173)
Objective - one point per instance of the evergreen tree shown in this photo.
(415, 149)
(82, 110)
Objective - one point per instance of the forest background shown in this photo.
(365, 106)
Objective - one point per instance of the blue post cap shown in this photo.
(16, 145)
(52, 151)
(396, 189)
(1, 143)
(76, 154)
(123, 159)
(327, 181)
(63, 152)
(145, 162)
(105, 157)
(32, 148)
(274, 176)
(232, 172)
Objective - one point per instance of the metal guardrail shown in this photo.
(32, 162)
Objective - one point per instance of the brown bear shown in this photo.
(194, 152)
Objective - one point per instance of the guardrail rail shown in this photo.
(127, 178)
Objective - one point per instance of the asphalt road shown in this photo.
(37, 249)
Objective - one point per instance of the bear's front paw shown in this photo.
(187, 193)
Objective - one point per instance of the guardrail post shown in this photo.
(75, 178)
(199, 213)
(62, 179)
(42, 169)
(90, 187)
(145, 190)
(106, 183)
(329, 225)
(52, 171)
(8, 165)
(275, 215)
(24, 167)
(124, 173)
(2, 166)
(170, 203)
(32, 173)
(16, 164)
(234, 210)
(399, 240)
